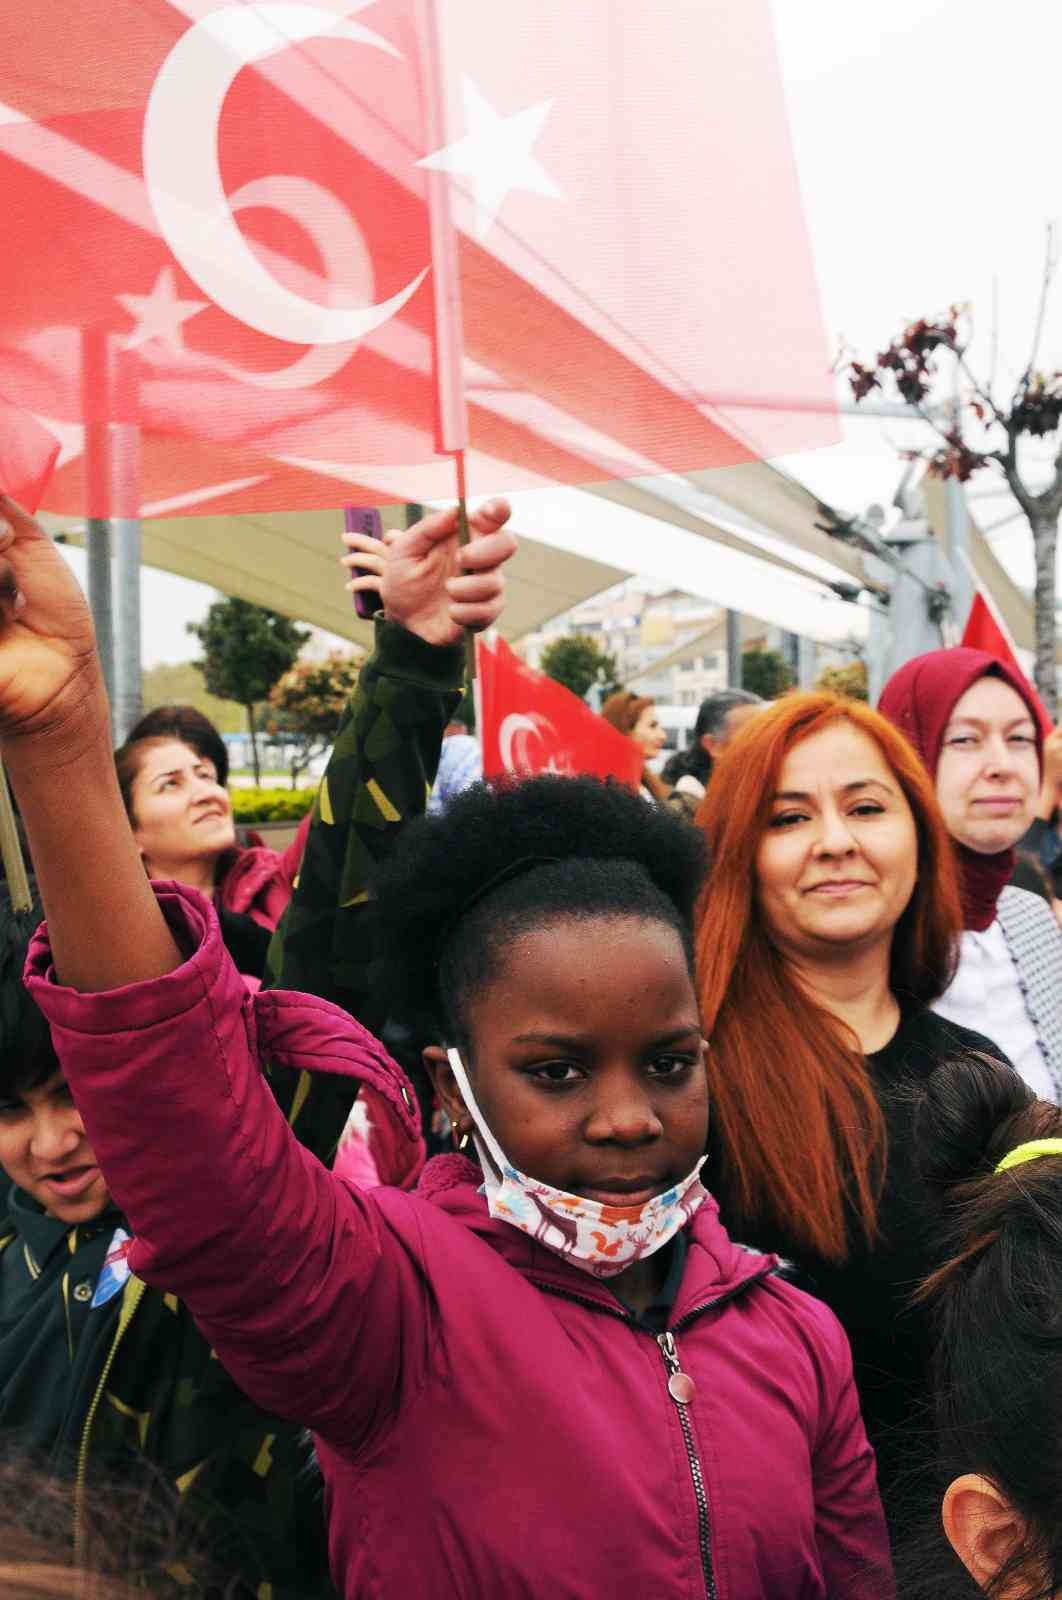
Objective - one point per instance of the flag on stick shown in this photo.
(531, 724)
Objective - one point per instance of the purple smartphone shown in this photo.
(364, 519)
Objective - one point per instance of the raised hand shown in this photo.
(429, 582)
(49, 671)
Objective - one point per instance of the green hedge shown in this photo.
(271, 805)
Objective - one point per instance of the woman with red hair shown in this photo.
(829, 923)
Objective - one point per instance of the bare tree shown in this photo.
(977, 432)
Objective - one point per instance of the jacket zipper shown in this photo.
(681, 1388)
(130, 1300)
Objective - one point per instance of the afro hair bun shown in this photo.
(447, 865)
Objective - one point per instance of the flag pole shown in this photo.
(451, 409)
(11, 851)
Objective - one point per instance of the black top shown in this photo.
(870, 1292)
(52, 1337)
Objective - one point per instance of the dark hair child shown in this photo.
(993, 1153)
(609, 1405)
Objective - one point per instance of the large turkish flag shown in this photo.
(234, 197)
(531, 724)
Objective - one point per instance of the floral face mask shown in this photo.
(599, 1239)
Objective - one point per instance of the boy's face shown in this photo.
(43, 1149)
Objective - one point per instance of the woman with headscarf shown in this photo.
(635, 715)
(975, 723)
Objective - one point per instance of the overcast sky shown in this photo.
(927, 139)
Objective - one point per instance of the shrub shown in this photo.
(271, 805)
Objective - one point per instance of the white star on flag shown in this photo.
(159, 315)
(497, 154)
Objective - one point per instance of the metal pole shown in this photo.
(98, 551)
(877, 651)
(127, 701)
(806, 662)
(733, 649)
(110, 399)
(959, 552)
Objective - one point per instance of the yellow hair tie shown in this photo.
(1030, 1152)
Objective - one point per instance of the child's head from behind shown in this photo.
(998, 1308)
(43, 1148)
(543, 930)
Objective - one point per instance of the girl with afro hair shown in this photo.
(547, 1371)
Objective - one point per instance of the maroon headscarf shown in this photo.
(920, 699)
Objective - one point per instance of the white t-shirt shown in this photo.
(986, 995)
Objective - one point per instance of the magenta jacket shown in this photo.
(490, 1421)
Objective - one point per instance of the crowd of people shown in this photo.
(736, 1270)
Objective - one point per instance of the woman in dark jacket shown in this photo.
(829, 923)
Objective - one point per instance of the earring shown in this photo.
(459, 1142)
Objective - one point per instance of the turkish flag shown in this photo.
(246, 203)
(531, 724)
(984, 631)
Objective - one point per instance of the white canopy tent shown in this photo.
(743, 537)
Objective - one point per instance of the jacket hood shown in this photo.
(716, 1267)
(284, 1028)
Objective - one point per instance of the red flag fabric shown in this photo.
(28, 453)
(235, 198)
(531, 724)
(984, 631)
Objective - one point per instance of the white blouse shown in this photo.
(986, 995)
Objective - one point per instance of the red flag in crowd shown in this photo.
(236, 197)
(531, 724)
(986, 631)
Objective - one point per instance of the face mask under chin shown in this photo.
(599, 1239)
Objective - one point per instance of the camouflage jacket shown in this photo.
(160, 1394)
(381, 772)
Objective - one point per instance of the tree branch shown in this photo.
(993, 355)
(981, 393)
(1050, 263)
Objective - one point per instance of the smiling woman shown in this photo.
(182, 821)
(829, 922)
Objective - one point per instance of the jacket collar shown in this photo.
(716, 1268)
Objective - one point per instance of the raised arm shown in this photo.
(387, 748)
(105, 924)
(162, 1046)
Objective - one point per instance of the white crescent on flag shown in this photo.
(517, 737)
(183, 175)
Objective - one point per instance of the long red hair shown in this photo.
(801, 1128)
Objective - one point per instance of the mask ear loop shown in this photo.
(490, 1151)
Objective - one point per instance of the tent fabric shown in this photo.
(573, 546)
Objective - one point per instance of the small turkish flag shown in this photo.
(246, 200)
(532, 724)
(985, 631)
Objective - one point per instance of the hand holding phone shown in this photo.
(364, 520)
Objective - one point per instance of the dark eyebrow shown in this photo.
(849, 788)
(577, 1041)
(176, 772)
